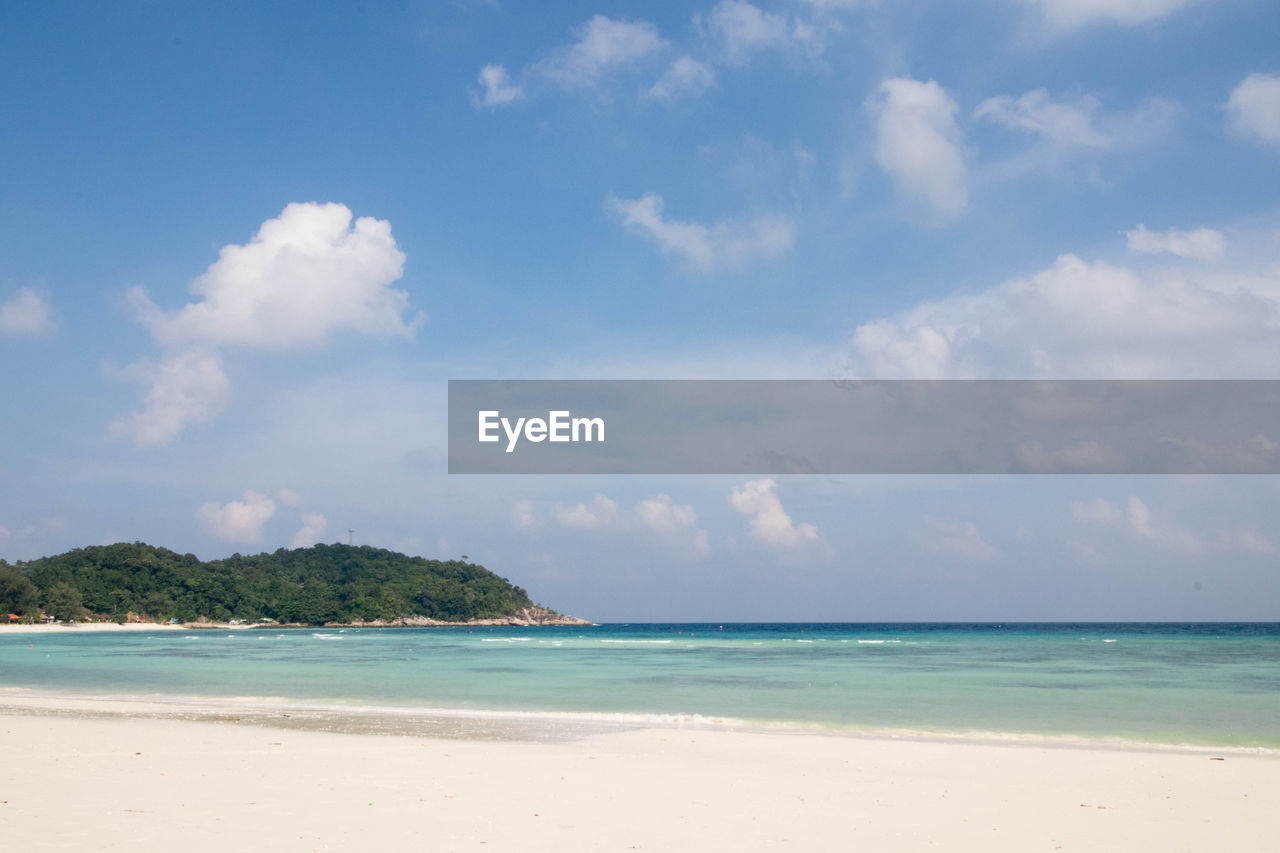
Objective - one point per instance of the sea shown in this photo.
(1210, 685)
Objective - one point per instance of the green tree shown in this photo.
(62, 602)
(17, 593)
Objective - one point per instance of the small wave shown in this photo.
(1108, 641)
(326, 636)
(505, 639)
(638, 642)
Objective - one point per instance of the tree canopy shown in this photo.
(323, 583)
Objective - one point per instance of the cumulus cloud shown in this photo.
(237, 521)
(919, 145)
(183, 389)
(312, 531)
(1081, 319)
(684, 78)
(27, 313)
(662, 514)
(703, 248)
(1203, 244)
(1254, 106)
(953, 537)
(497, 88)
(768, 523)
(1069, 14)
(307, 275)
(603, 45)
(601, 512)
(737, 30)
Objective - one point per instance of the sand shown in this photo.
(67, 628)
(76, 783)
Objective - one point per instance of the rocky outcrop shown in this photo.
(525, 617)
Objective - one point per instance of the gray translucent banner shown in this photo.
(863, 427)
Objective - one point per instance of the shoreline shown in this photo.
(415, 622)
(154, 784)
(533, 725)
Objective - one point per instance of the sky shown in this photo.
(244, 246)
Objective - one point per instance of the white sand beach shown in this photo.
(78, 627)
(76, 783)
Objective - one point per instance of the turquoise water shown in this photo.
(1211, 684)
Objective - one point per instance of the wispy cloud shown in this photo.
(1203, 244)
(707, 248)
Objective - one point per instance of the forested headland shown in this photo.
(323, 584)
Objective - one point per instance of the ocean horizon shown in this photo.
(1205, 684)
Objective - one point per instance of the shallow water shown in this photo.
(1211, 684)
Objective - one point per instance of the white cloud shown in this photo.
(953, 537)
(237, 521)
(601, 512)
(769, 524)
(289, 498)
(668, 522)
(306, 275)
(672, 523)
(1254, 106)
(701, 544)
(737, 30)
(1064, 130)
(724, 245)
(1136, 518)
(1069, 14)
(1250, 541)
(1098, 511)
(1036, 112)
(1087, 320)
(1203, 244)
(522, 517)
(499, 90)
(1139, 521)
(184, 389)
(603, 46)
(313, 529)
(919, 145)
(685, 77)
(27, 313)
(663, 515)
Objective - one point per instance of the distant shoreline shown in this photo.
(416, 622)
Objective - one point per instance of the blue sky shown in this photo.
(244, 246)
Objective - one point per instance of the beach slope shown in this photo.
(75, 783)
